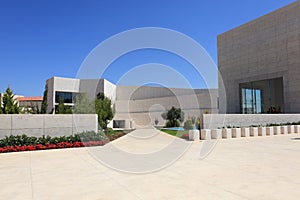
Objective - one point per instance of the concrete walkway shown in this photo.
(245, 168)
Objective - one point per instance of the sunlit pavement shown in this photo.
(245, 168)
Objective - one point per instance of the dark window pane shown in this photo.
(264, 96)
(66, 97)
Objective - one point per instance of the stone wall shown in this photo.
(212, 121)
(145, 104)
(53, 125)
(265, 48)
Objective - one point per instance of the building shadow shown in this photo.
(295, 139)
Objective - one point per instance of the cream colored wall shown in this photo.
(143, 107)
(265, 48)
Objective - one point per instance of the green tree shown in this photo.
(198, 122)
(188, 124)
(45, 99)
(62, 108)
(35, 109)
(83, 105)
(104, 110)
(10, 105)
(173, 116)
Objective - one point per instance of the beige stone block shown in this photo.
(216, 134)
(245, 132)
(194, 135)
(291, 129)
(205, 134)
(262, 131)
(284, 130)
(277, 130)
(253, 131)
(297, 128)
(226, 133)
(270, 131)
(236, 132)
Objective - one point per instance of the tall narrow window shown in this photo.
(251, 101)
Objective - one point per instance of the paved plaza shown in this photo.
(244, 168)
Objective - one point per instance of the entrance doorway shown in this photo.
(265, 96)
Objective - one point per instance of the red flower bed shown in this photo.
(51, 146)
(185, 136)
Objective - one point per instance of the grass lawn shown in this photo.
(175, 133)
(115, 134)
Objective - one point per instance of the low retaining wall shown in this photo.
(46, 124)
(213, 121)
(229, 133)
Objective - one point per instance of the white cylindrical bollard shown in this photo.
(277, 130)
(262, 131)
(226, 133)
(205, 134)
(194, 135)
(253, 131)
(297, 128)
(236, 132)
(284, 129)
(291, 129)
(270, 131)
(216, 134)
(245, 132)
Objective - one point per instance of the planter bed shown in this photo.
(26, 143)
(60, 145)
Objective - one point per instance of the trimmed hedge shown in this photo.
(24, 140)
(15, 143)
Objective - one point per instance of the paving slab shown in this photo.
(243, 168)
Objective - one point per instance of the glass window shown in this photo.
(251, 101)
(119, 123)
(265, 96)
(66, 97)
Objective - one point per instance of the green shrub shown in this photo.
(198, 123)
(24, 140)
(172, 123)
(188, 124)
(173, 116)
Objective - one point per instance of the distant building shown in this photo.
(27, 104)
(134, 105)
(259, 63)
(30, 104)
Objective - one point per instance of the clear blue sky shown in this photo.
(40, 39)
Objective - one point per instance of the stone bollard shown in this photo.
(226, 133)
(277, 130)
(216, 134)
(284, 129)
(262, 131)
(194, 135)
(291, 129)
(253, 131)
(236, 132)
(269, 131)
(297, 128)
(205, 134)
(245, 132)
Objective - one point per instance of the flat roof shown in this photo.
(30, 98)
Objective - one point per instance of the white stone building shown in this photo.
(134, 105)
